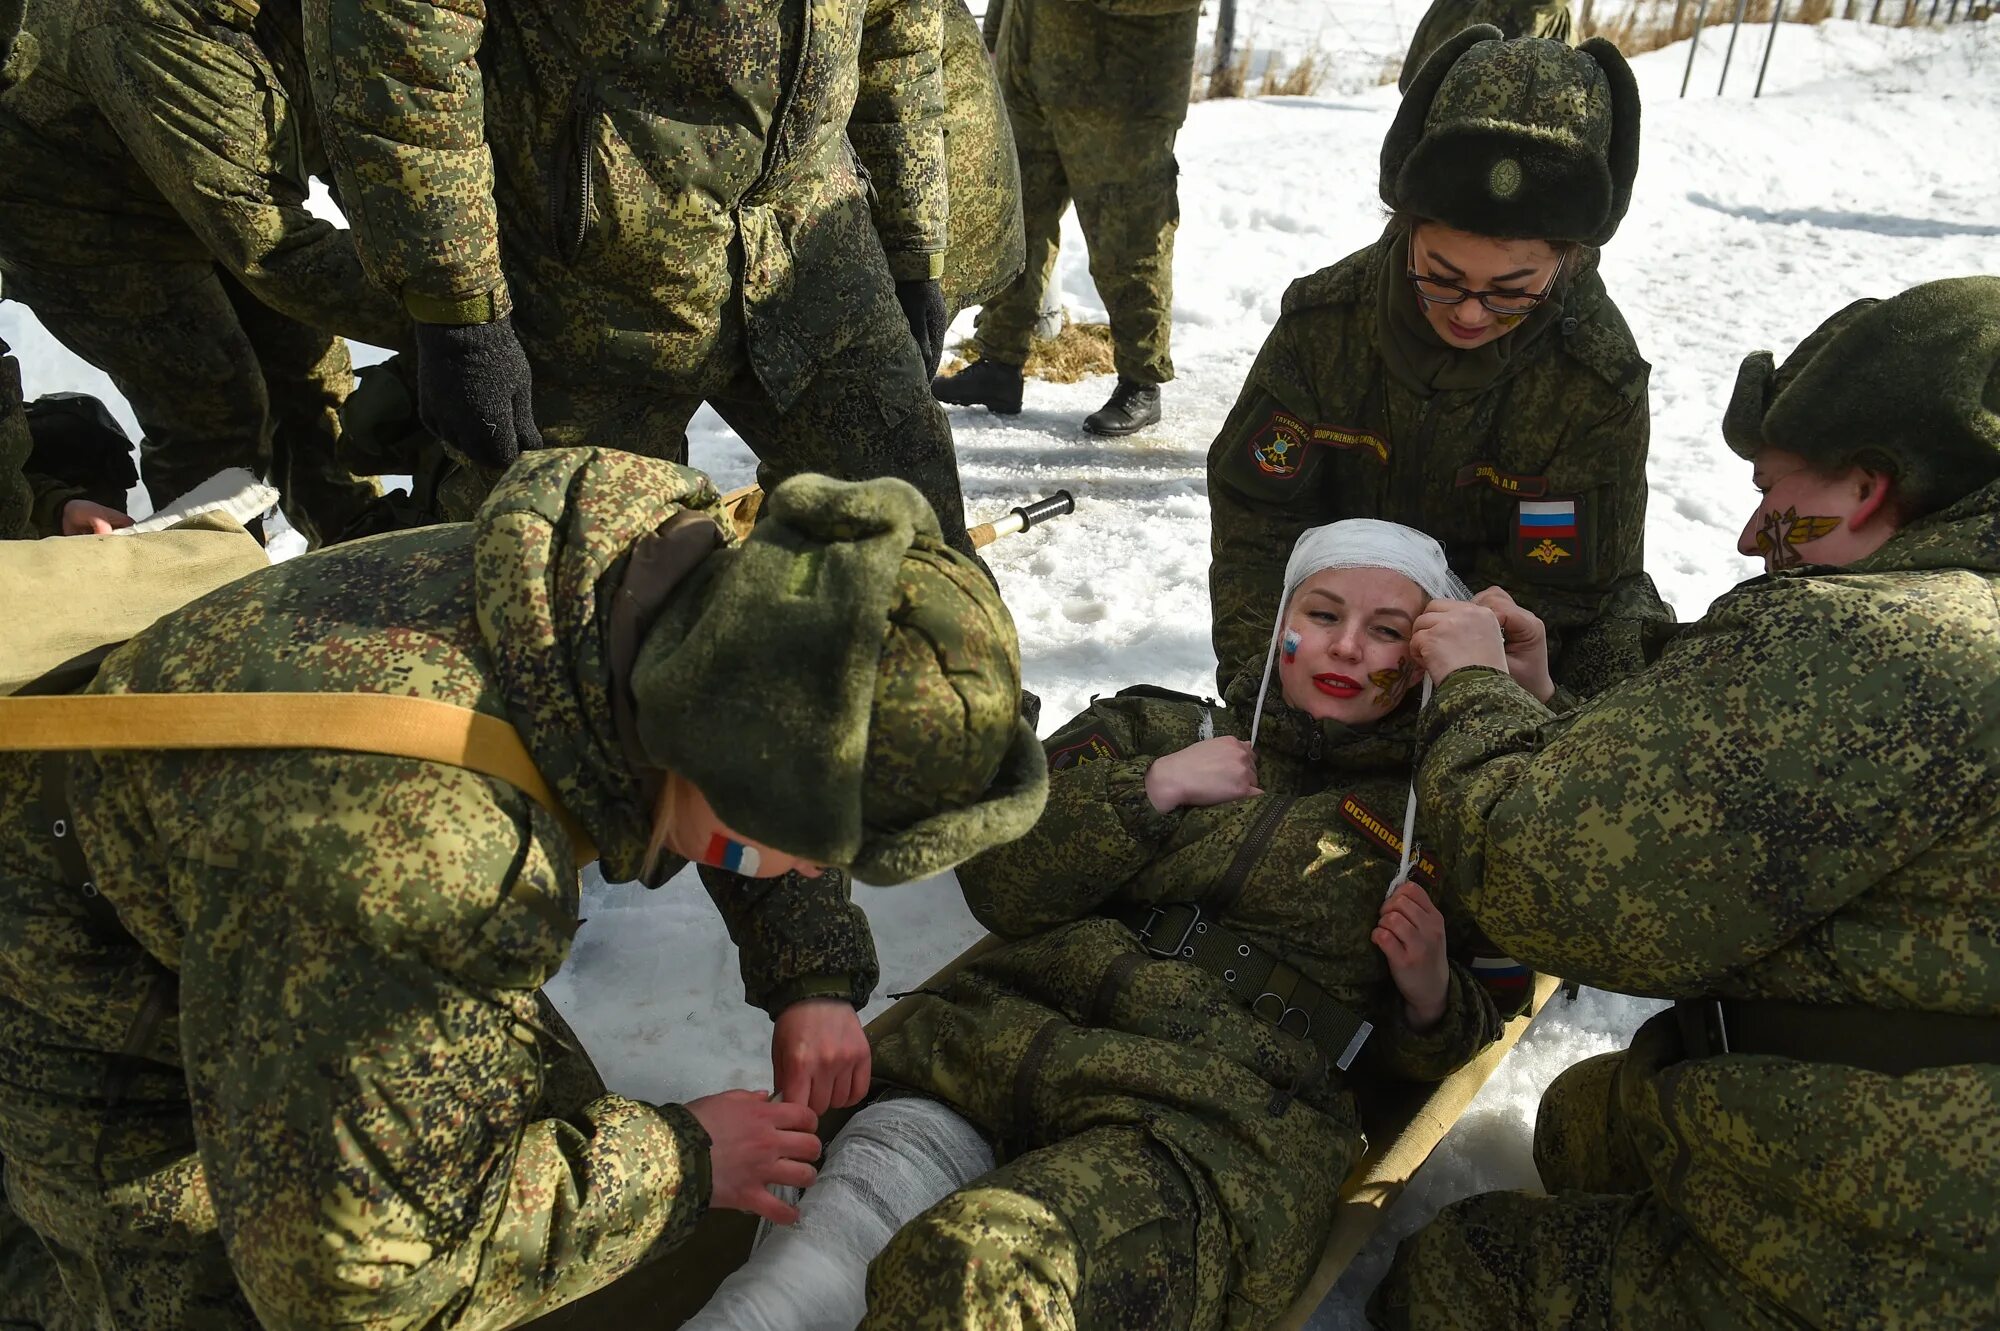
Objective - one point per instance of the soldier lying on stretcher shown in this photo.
(1201, 967)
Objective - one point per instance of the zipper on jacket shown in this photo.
(1407, 488)
(573, 198)
(788, 93)
(1223, 896)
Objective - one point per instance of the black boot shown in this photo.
(1132, 407)
(984, 383)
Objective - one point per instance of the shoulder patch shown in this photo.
(1550, 539)
(1277, 448)
(1093, 747)
(1423, 869)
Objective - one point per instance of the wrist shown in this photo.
(1422, 1017)
(1161, 792)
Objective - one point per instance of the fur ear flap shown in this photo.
(1743, 418)
(1622, 157)
(1408, 127)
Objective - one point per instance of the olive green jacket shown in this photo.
(630, 179)
(1800, 801)
(1074, 1024)
(353, 943)
(1325, 430)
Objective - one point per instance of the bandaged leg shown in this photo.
(890, 1163)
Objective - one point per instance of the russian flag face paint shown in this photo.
(725, 853)
(1289, 644)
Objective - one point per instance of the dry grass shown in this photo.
(1228, 81)
(1301, 80)
(1077, 352)
(1647, 25)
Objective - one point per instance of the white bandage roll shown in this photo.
(893, 1161)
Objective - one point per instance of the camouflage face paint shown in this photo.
(1290, 644)
(728, 853)
(1392, 684)
(1781, 534)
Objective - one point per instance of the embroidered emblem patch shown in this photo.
(1502, 977)
(1546, 531)
(1093, 747)
(1504, 180)
(1506, 482)
(1278, 446)
(1423, 869)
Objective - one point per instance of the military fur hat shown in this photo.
(1517, 139)
(849, 690)
(1908, 385)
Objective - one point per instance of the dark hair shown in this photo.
(1408, 222)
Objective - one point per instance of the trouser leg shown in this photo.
(1005, 326)
(1581, 1144)
(307, 376)
(867, 412)
(1125, 179)
(170, 340)
(1093, 1232)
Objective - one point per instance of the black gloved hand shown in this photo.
(922, 300)
(474, 392)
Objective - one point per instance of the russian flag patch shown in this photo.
(1548, 536)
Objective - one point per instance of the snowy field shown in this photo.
(1872, 162)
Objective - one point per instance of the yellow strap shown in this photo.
(421, 728)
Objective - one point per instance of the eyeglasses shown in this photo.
(1437, 291)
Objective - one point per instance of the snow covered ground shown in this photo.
(1872, 162)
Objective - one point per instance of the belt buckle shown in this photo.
(1180, 946)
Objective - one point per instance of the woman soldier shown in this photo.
(1466, 374)
(1165, 1049)
(271, 1051)
(1788, 825)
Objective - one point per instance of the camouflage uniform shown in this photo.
(153, 216)
(22, 512)
(1327, 427)
(1514, 18)
(316, 973)
(983, 174)
(666, 200)
(1097, 91)
(1170, 1159)
(1795, 803)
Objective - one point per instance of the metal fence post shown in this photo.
(1225, 40)
(1694, 44)
(1771, 40)
(1730, 53)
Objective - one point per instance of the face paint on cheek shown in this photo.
(1780, 535)
(726, 853)
(1393, 683)
(1289, 644)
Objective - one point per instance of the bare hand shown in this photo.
(819, 1055)
(1410, 933)
(756, 1142)
(1450, 635)
(83, 517)
(1526, 639)
(1213, 771)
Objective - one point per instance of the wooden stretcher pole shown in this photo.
(745, 504)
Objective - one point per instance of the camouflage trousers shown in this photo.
(1121, 173)
(1600, 1252)
(216, 378)
(1095, 1231)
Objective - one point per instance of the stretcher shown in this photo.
(1404, 1123)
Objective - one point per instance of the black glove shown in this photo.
(473, 390)
(922, 300)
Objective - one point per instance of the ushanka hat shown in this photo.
(849, 691)
(1522, 139)
(1908, 385)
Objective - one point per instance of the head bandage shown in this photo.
(1364, 543)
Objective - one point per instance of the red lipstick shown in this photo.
(1337, 686)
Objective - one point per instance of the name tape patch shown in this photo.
(1278, 446)
(1423, 869)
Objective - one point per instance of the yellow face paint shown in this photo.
(1781, 534)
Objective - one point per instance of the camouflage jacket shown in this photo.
(178, 131)
(1074, 1024)
(31, 503)
(625, 152)
(1325, 430)
(988, 248)
(1800, 801)
(1123, 59)
(357, 940)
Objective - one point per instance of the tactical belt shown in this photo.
(1875, 1039)
(1272, 989)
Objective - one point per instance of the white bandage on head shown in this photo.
(1364, 543)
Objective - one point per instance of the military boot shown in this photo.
(1132, 407)
(993, 384)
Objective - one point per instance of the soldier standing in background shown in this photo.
(655, 208)
(1097, 91)
(152, 215)
(1515, 18)
(1788, 826)
(1467, 374)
